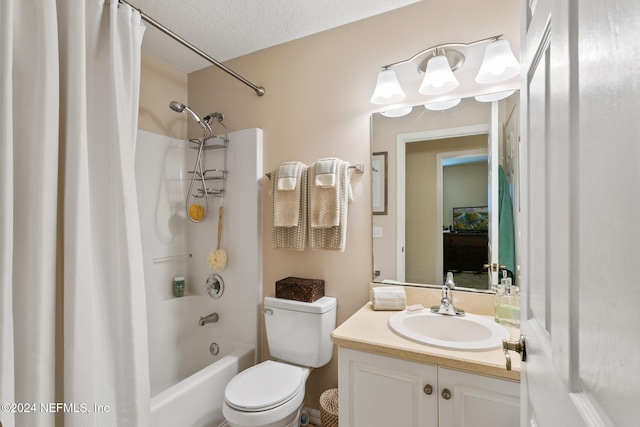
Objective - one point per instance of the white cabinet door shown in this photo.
(378, 391)
(468, 400)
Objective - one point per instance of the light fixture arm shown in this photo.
(442, 46)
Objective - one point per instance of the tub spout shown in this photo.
(213, 317)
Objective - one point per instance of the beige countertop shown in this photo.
(367, 330)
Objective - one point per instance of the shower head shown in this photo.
(179, 107)
(176, 106)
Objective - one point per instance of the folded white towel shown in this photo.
(326, 170)
(287, 176)
(388, 298)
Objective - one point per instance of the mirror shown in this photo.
(441, 208)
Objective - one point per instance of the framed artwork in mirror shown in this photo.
(379, 183)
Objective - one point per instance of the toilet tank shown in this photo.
(300, 332)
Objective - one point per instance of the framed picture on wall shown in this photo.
(379, 183)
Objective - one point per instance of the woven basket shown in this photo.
(329, 408)
(300, 289)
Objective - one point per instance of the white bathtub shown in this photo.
(197, 400)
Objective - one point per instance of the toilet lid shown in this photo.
(264, 386)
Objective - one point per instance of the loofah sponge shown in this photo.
(196, 212)
(217, 259)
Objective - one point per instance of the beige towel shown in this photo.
(293, 237)
(334, 238)
(324, 203)
(287, 203)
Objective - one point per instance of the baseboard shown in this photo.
(314, 416)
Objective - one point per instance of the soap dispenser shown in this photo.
(507, 302)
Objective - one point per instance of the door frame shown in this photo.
(401, 141)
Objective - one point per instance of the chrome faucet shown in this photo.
(213, 317)
(446, 304)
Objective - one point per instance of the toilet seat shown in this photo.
(265, 386)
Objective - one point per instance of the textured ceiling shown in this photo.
(227, 29)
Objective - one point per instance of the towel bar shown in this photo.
(359, 167)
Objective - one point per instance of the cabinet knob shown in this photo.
(446, 393)
(428, 389)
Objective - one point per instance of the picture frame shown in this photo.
(379, 182)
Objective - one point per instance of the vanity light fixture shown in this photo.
(438, 63)
(442, 105)
(397, 112)
(495, 96)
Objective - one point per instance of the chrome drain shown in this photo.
(214, 349)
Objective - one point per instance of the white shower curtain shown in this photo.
(73, 332)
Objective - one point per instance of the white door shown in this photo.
(580, 188)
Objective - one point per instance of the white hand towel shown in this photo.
(326, 170)
(388, 298)
(287, 176)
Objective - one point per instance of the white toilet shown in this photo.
(271, 394)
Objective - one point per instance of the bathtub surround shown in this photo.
(73, 326)
(180, 354)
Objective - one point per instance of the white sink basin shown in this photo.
(468, 332)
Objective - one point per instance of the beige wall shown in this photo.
(317, 105)
(464, 185)
(160, 84)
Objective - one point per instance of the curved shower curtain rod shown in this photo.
(258, 89)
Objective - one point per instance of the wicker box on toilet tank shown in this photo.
(300, 289)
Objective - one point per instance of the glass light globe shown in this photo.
(387, 89)
(438, 78)
(498, 64)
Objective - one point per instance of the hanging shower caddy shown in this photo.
(211, 181)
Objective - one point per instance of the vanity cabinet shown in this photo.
(381, 391)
